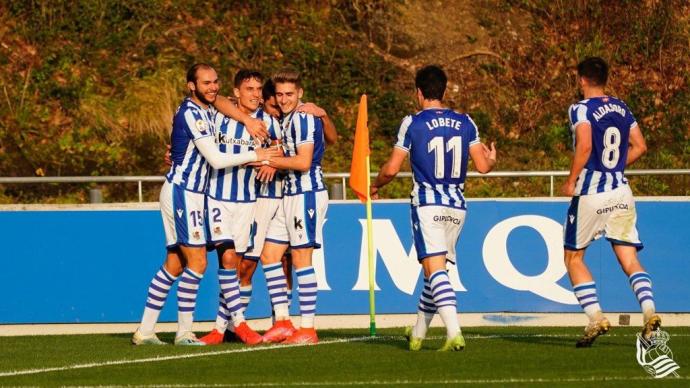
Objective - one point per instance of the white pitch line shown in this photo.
(178, 357)
(272, 347)
(413, 382)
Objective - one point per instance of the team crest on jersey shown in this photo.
(196, 234)
(216, 230)
(201, 126)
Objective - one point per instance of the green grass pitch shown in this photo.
(506, 356)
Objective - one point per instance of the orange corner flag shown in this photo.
(359, 170)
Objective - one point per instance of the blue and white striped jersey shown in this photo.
(438, 140)
(274, 188)
(189, 168)
(611, 121)
(235, 184)
(302, 128)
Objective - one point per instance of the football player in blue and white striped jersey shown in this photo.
(606, 138)
(298, 223)
(231, 206)
(183, 205)
(270, 194)
(440, 142)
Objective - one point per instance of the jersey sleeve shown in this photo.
(472, 132)
(404, 141)
(629, 117)
(194, 124)
(305, 126)
(578, 115)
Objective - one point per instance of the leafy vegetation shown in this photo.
(89, 87)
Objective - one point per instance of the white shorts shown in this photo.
(611, 214)
(230, 222)
(299, 220)
(436, 230)
(183, 215)
(266, 209)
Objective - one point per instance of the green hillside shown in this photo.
(89, 87)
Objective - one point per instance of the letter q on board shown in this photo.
(498, 263)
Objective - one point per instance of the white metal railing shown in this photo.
(343, 176)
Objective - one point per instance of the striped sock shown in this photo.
(223, 315)
(158, 293)
(586, 294)
(289, 296)
(425, 311)
(306, 281)
(277, 286)
(245, 296)
(444, 298)
(186, 300)
(230, 287)
(641, 284)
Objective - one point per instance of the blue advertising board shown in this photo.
(67, 266)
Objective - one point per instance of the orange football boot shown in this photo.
(247, 335)
(303, 336)
(213, 338)
(279, 332)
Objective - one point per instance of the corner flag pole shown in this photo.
(360, 182)
(372, 257)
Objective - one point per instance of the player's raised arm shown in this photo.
(330, 133)
(583, 148)
(255, 127)
(389, 170)
(636, 145)
(484, 157)
(218, 160)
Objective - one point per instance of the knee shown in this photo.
(174, 269)
(573, 258)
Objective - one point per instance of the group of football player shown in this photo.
(246, 180)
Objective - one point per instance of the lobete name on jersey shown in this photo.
(222, 138)
(443, 122)
(608, 108)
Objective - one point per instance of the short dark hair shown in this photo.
(269, 89)
(594, 69)
(246, 74)
(431, 80)
(191, 73)
(287, 76)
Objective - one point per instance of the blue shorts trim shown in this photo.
(613, 241)
(427, 255)
(307, 245)
(251, 258)
(276, 241)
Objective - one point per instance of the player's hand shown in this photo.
(266, 154)
(168, 156)
(490, 152)
(568, 189)
(312, 109)
(257, 129)
(266, 174)
(374, 192)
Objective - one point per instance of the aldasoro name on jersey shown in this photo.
(611, 121)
